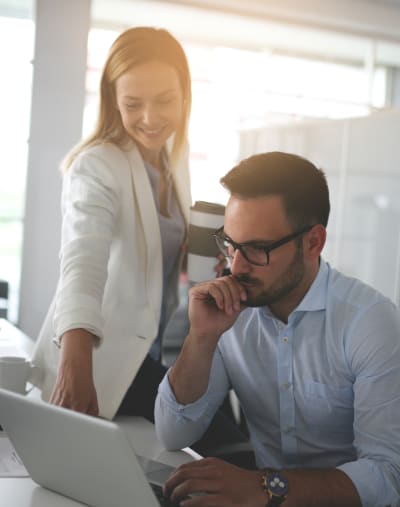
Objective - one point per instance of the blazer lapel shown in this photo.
(148, 214)
(149, 219)
(181, 179)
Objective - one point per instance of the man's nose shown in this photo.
(239, 264)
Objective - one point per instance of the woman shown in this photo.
(125, 201)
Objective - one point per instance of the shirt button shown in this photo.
(286, 385)
(285, 339)
(287, 429)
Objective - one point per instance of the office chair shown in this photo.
(3, 299)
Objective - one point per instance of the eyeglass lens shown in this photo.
(251, 253)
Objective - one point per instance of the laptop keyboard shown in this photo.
(164, 502)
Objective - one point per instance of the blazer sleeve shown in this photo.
(90, 209)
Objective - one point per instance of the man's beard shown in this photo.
(281, 287)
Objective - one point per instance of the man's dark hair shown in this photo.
(303, 187)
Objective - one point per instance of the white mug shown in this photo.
(205, 218)
(14, 373)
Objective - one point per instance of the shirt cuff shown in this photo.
(192, 411)
(370, 483)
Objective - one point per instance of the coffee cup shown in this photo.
(14, 373)
(205, 218)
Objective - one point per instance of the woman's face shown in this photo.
(150, 101)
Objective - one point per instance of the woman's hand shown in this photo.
(221, 265)
(74, 387)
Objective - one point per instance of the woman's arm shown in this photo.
(74, 386)
(90, 211)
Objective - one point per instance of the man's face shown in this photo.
(264, 220)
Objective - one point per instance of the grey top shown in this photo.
(172, 230)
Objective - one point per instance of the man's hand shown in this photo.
(220, 483)
(74, 387)
(214, 306)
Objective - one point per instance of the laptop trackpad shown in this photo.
(155, 471)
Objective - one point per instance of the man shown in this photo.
(313, 356)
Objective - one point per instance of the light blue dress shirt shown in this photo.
(321, 391)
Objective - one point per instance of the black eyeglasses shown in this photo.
(255, 252)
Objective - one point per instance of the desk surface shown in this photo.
(14, 342)
(23, 492)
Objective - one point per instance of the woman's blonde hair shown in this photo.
(133, 47)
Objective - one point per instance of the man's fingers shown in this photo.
(226, 292)
(229, 292)
(204, 483)
(182, 473)
(184, 489)
(192, 477)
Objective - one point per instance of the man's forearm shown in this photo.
(320, 488)
(190, 374)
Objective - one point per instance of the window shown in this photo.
(234, 89)
(18, 34)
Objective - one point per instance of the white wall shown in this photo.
(375, 18)
(58, 95)
(348, 30)
(361, 158)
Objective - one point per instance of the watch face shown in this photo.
(277, 484)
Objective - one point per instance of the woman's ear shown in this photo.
(315, 241)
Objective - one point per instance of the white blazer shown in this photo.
(111, 269)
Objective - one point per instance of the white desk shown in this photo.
(14, 342)
(23, 492)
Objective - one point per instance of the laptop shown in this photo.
(82, 457)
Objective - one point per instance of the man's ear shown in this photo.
(315, 241)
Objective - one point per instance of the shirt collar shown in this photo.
(315, 298)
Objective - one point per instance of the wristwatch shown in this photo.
(276, 486)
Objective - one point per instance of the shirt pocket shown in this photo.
(327, 407)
